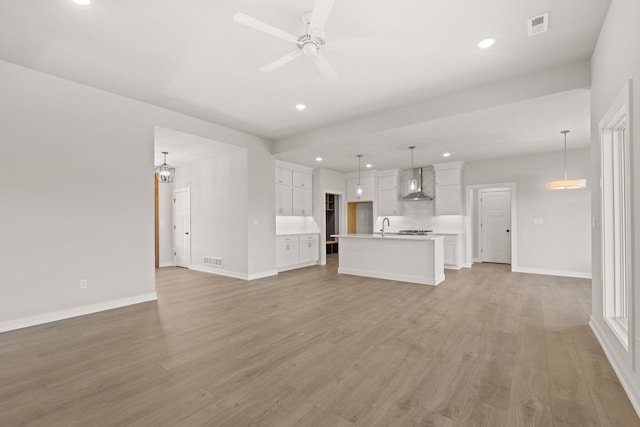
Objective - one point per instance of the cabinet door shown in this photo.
(448, 177)
(302, 201)
(448, 200)
(287, 253)
(309, 251)
(388, 202)
(301, 179)
(283, 176)
(284, 199)
(450, 252)
(388, 182)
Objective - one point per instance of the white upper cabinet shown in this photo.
(283, 176)
(388, 200)
(284, 199)
(301, 179)
(449, 188)
(302, 201)
(367, 195)
(294, 192)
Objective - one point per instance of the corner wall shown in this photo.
(616, 59)
(77, 202)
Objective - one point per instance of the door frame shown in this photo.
(481, 229)
(342, 221)
(473, 227)
(188, 191)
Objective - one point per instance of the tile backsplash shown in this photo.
(420, 214)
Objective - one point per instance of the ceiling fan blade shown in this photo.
(281, 61)
(263, 26)
(325, 68)
(321, 11)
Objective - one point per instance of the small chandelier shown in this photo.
(164, 171)
(566, 184)
(359, 186)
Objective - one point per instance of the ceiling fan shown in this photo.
(308, 43)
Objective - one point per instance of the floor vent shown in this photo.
(216, 262)
(538, 24)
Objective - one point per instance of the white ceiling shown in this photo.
(190, 56)
(183, 149)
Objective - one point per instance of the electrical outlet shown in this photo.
(83, 284)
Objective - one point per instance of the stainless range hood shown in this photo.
(418, 194)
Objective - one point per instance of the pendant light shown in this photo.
(566, 184)
(413, 183)
(164, 171)
(359, 186)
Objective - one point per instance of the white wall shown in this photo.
(219, 190)
(615, 60)
(327, 181)
(78, 200)
(561, 244)
(165, 227)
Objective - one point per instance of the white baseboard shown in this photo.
(477, 260)
(219, 272)
(296, 266)
(393, 276)
(549, 272)
(40, 319)
(262, 274)
(167, 264)
(630, 386)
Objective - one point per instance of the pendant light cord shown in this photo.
(565, 132)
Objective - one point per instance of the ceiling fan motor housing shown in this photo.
(310, 45)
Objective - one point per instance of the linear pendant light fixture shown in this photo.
(359, 186)
(164, 171)
(566, 184)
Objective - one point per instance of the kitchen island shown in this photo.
(414, 259)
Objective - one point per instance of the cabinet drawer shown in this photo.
(308, 237)
(287, 239)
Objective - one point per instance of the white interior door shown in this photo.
(182, 228)
(495, 226)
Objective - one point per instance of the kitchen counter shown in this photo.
(389, 236)
(405, 258)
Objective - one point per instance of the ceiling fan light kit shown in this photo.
(309, 43)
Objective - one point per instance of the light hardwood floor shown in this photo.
(314, 348)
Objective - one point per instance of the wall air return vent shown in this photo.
(216, 262)
(538, 24)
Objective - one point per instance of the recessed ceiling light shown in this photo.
(486, 43)
(318, 159)
(368, 165)
(446, 154)
(300, 107)
(83, 2)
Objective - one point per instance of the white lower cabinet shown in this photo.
(453, 246)
(309, 250)
(296, 251)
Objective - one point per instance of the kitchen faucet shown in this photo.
(388, 223)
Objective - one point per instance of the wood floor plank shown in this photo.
(311, 347)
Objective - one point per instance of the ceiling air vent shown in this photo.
(538, 24)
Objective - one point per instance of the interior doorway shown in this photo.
(500, 216)
(495, 225)
(332, 221)
(182, 227)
